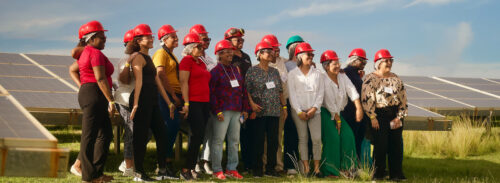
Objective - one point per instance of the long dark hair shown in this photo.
(81, 43)
(133, 46)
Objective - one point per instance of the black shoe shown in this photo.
(257, 174)
(272, 174)
(398, 179)
(142, 177)
(186, 175)
(164, 175)
(319, 175)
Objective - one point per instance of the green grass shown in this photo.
(419, 165)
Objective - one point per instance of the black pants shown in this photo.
(148, 116)
(290, 141)
(266, 126)
(197, 118)
(387, 142)
(246, 141)
(96, 131)
(358, 128)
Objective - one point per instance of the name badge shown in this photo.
(388, 90)
(234, 83)
(270, 85)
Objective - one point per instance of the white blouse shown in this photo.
(122, 93)
(336, 95)
(306, 91)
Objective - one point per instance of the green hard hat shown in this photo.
(293, 39)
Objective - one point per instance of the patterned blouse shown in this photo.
(269, 99)
(380, 92)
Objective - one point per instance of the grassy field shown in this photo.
(424, 160)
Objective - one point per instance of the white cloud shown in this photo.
(430, 2)
(323, 8)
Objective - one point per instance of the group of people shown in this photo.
(276, 110)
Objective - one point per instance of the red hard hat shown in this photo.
(358, 52)
(198, 29)
(142, 30)
(234, 32)
(328, 55)
(302, 47)
(223, 44)
(262, 45)
(164, 30)
(271, 39)
(191, 38)
(129, 36)
(89, 27)
(383, 53)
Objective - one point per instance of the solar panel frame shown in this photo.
(47, 100)
(51, 59)
(22, 70)
(34, 84)
(16, 122)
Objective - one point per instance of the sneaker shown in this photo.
(122, 166)
(186, 175)
(219, 175)
(271, 174)
(233, 174)
(75, 171)
(128, 172)
(207, 168)
(142, 177)
(164, 175)
(291, 172)
(195, 175)
(197, 168)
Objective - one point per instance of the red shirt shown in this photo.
(92, 57)
(199, 77)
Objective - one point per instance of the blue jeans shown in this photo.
(231, 127)
(172, 125)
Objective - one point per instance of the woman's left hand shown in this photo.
(359, 115)
(172, 110)
(398, 123)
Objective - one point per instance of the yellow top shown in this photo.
(162, 59)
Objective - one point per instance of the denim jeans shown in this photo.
(231, 127)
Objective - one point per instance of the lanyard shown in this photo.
(232, 71)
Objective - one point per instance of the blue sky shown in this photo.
(456, 38)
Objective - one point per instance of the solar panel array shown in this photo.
(37, 82)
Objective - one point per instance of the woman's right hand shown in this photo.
(134, 110)
(375, 124)
(177, 101)
(255, 107)
(185, 111)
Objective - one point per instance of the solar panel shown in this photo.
(51, 59)
(61, 71)
(14, 124)
(34, 84)
(415, 111)
(12, 58)
(22, 70)
(477, 83)
(427, 100)
(452, 91)
(47, 100)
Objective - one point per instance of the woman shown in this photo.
(93, 71)
(194, 78)
(122, 95)
(229, 103)
(266, 99)
(384, 99)
(167, 69)
(339, 149)
(204, 159)
(306, 96)
(145, 112)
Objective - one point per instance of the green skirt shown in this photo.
(339, 151)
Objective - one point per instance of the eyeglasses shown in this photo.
(310, 54)
(388, 60)
(267, 51)
(226, 51)
(199, 46)
(148, 37)
(207, 39)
